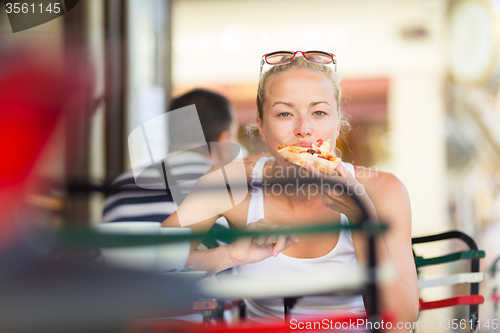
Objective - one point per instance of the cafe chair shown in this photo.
(472, 277)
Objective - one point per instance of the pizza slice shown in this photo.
(318, 155)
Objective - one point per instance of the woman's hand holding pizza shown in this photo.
(338, 198)
(245, 250)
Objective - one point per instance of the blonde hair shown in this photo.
(300, 62)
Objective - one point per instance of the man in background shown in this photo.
(129, 201)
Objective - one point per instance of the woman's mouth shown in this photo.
(302, 144)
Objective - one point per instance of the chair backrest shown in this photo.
(474, 277)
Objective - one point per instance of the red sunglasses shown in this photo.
(282, 57)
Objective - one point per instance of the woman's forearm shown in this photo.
(395, 297)
(212, 261)
(399, 297)
(397, 300)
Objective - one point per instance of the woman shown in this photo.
(298, 102)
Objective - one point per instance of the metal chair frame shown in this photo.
(474, 255)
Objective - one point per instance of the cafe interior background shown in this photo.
(420, 81)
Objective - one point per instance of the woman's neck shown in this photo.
(283, 181)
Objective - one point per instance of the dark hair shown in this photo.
(213, 111)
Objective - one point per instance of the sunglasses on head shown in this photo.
(282, 57)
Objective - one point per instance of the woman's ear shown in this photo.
(261, 129)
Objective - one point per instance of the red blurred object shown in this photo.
(458, 300)
(35, 91)
(336, 323)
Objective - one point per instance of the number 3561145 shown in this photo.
(27, 8)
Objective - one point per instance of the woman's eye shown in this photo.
(284, 114)
(319, 113)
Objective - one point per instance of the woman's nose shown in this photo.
(303, 127)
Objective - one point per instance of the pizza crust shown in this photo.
(302, 159)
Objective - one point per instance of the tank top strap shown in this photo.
(258, 169)
(256, 205)
(349, 168)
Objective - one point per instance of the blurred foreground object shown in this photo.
(39, 294)
(49, 296)
(35, 92)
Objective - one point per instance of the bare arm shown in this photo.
(392, 204)
(385, 198)
(242, 250)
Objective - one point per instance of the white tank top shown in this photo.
(341, 255)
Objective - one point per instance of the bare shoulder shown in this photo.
(240, 169)
(381, 182)
(388, 194)
(238, 174)
(250, 165)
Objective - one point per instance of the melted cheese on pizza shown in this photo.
(319, 148)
